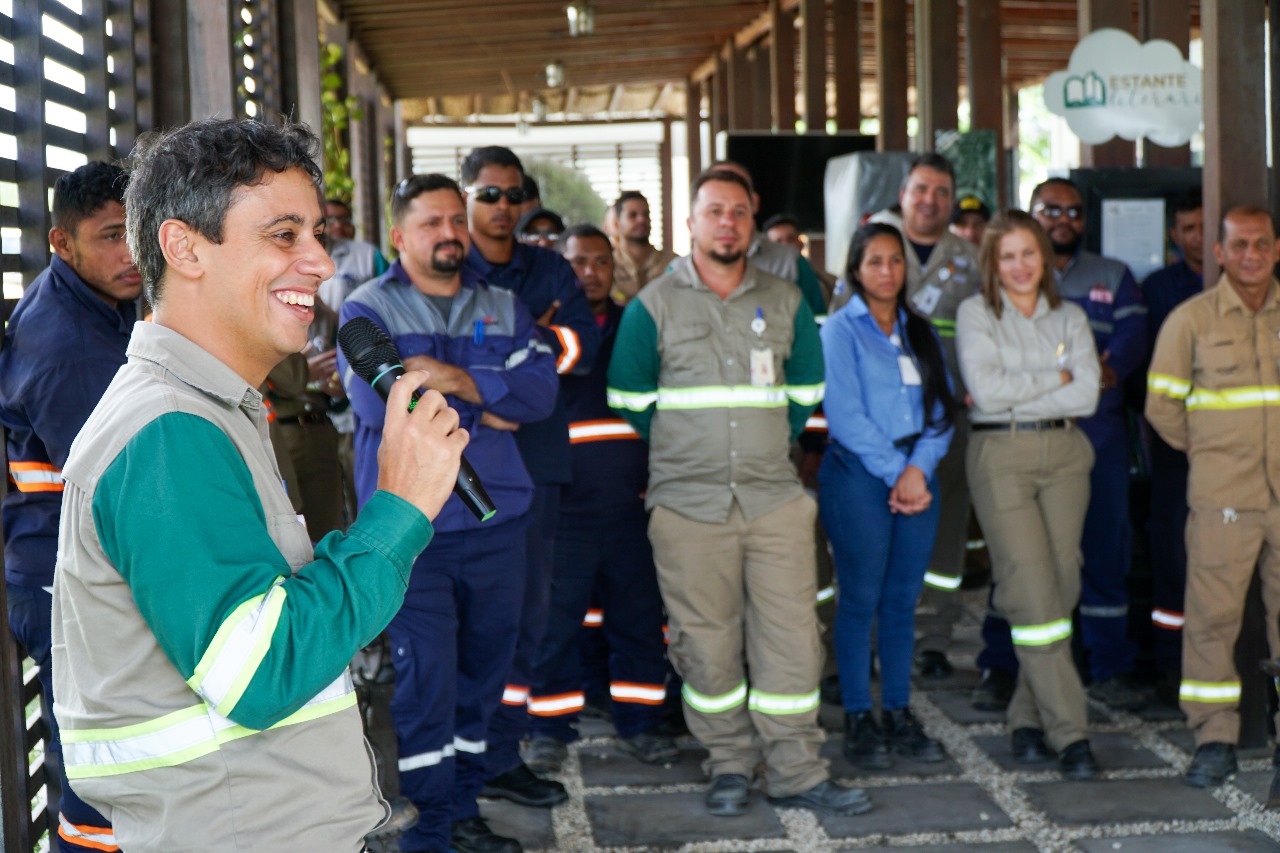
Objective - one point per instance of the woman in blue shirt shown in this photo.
(889, 409)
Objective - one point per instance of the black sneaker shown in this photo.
(864, 744)
(994, 691)
(1212, 765)
(1077, 763)
(933, 664)
(520, 785)
(1029, 747)
(828, 798)
(651, 747)
(728, 795)
(473, 835)
(903, 735)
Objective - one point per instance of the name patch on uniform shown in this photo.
(927, 299)
(762, 367)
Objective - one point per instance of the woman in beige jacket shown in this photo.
(1030, 365)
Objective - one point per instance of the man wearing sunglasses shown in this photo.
(1106, 290)
(492, 180)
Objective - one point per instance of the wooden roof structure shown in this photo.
(454, 59)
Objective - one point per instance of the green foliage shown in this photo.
(567, 191)
(336, 113)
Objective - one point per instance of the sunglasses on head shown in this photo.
(491, 194)
(1053, 211)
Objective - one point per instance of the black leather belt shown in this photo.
(907, 443)
(1022, 426)
(304, 419)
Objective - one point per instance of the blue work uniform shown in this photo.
(539, 277)
(1163, 291)
(1105, 289)
(604, 574)
(63, 347)
(453, 639)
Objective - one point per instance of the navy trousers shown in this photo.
(510, 723)
(1104, 592)
(30, 621)
(607, 560)
(1168, 527)
(451, 644)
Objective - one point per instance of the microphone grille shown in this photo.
(367, 348)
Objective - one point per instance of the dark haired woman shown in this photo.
(1029, 362)
(889, 410)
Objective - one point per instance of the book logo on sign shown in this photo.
(1086, 91)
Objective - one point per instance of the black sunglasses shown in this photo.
(491, 194)
(1053, 211)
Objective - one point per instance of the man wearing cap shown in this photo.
(969, 219)
(942, 271)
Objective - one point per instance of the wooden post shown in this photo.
(191, 42)
(693, 126)
(97, 136)
(300, 62)
(891, 74)
(738, 81)
(813, 64)
(782, 72)
(848, 58)
(1094, 15)
(982, 67)
(937, 68)
(1169, 20)
(760, 87)
(664, 159)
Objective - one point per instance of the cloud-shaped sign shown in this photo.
(1115, 85)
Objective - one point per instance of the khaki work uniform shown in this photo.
(629, 277)
(731, 528)
(1029, 469)
(935, 290)
(1213, 390)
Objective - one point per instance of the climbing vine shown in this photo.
(337, 113)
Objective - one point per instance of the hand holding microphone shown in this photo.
(421, 450)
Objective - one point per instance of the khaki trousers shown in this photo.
(739, 597)
(1031, 492)
(313, 450)
(940, 599)
(1223, 548)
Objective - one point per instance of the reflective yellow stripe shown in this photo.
(1210, 691)
(1170, 386)
(178, 737)
(633, 401)
(722, 396)
(1234, 398)
(806, 395)
(715, 704)
(826, 594)
(783, 703)
(938, 581)
(242, 641)
(1041, 635)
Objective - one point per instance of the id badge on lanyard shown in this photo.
(762, 374)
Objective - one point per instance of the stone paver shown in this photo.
(904, 809)
(970, 847)
(1218, 842)
(833, 751)
(607, 766)
(674, 819)
(1124, 801)
(1114, 751)
(1256, 783)
(531, 827)
(955, 704)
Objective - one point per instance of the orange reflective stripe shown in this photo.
(606, 429)
(514, 694)
(570, 349)
(87, 837)
(36, 476)
(638, 694)
(593, 619)
(556, 706)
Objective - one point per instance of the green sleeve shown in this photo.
(807, 280)
(804, 371)
(380, 264)
(633, 369)
(178, 515)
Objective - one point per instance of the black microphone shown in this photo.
(374, 358)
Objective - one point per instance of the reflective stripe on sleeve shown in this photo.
(88, 837)
(806, 395)
(783, 703)
(1041, 635)
(1210, 691)
(571, 350)
(593, 619)
(826, 594)
(1128, 311)
(632, 401)
(1228, 399)
(944, 328)
(179, 737)
(606, 429)
(36, 476)
(638, 694)
(555, 706)
(514, 694)
(817, 423)
(937, 581)
(1167, 619)
(1170, 386)
(426, 759)
(242, 641)
(714, 704)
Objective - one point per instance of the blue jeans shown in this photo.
(880, 560)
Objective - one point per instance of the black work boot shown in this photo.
(473, 835)
(994, 691)
(1212, 765)
(864, 744)
(903, 735)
